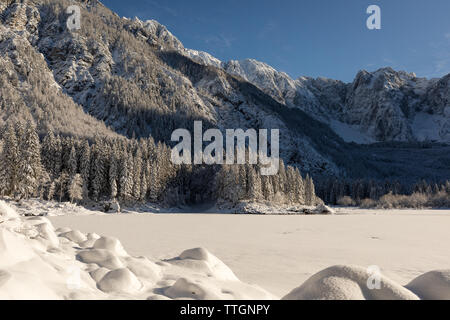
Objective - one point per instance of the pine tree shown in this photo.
(62, 186)
(242, 182)
(76, 188)
(144, 186)
(291, 185)
(126, 176)
(310, 195)
(85, 165)
(98, 170)
(113, 173)
(137, 175)
(154, 185)
(9, 162)
(57, 157)
(72, 162)
(299, 188)
(48, 150)
(267, 188)
(51, 191)
(254, 181)
(30, 167)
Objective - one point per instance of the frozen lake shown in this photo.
(279, 253)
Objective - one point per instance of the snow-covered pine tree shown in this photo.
(48, 149)
(9, 162)
(30, 167)
(72, 162)
(127, 178)
(310, 194)
(137, 175)
(299, 194)
(144, 183)
(154, 184)
(282, 177)
(62, 186)
(290, 185)
(51, 191)
(76, 188)
(113, 172)
(267, 188)
(242, 182)
(85, 165)
(233, 190)
(57, 157)
(254, 181)
(99, 170)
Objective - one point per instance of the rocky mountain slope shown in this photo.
(380, 106)
(117, 76)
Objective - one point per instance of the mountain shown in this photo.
(126, 77)
(381, 106)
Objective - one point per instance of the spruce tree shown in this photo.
(30, 167)
(255, 192)
(85, 165)
(9, 162)
(72, 162)
(76, 188)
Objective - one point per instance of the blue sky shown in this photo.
(313, 38)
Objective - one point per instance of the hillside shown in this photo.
(132, 78)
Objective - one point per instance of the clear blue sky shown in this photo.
(304, 37)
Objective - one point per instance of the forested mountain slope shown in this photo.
(120, 77)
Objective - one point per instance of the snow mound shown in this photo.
(13, 249)
(104, 258)
(143, 268)
(37, 262)
(74, 236)
(434, 285)
(6, 212)
(202, 260)
(111, 244)
(348, 283)
(120, 280)
(188, 289)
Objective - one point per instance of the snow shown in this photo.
(434, 285)
(350, 133)
(348, 283)
(38, 262)
(277, 253)
(203, 58)
(428, 127)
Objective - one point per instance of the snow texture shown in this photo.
(39, 262)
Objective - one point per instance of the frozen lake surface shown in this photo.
(279, 253)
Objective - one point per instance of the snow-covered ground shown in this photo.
(280, 252)
(270, 255)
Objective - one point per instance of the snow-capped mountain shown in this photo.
(384, 105)
(119, 76)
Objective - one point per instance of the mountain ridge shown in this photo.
(135, 79)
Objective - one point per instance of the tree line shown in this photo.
(384, 193)
(64, 168)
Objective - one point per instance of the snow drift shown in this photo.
(348, 283)
(39, 262)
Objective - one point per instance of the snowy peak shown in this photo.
(203, 58)
(154, 33)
